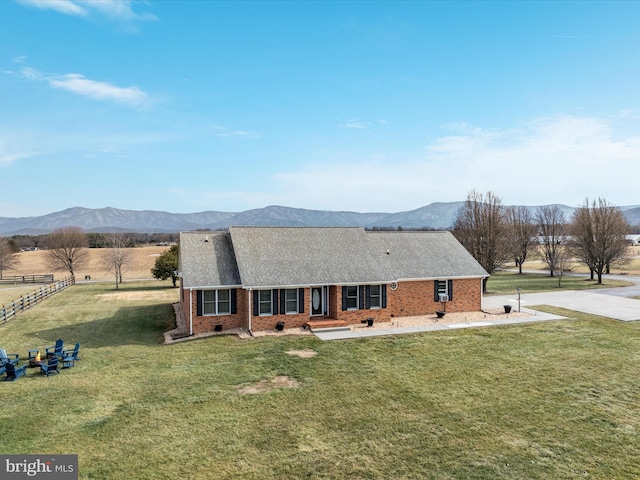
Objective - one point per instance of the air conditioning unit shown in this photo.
(443, 297)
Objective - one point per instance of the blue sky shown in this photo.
(332, 105)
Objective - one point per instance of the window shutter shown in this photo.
(301, 300)
(383, 294)
(256, 303)
(234, 300)
(435, 291)
(344, 298)
(325, 300)
(450, 289)
(368, 296)
(283, 303)
(199, 303)
(274, 301)
(361, 301)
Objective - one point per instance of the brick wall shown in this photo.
(409, 299)
(208, 323)
(417, 298)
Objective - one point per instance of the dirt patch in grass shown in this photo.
(133, 295)
(264, 386)
(306, 353)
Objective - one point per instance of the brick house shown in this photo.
(256, 277)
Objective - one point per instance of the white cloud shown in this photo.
(81, 85)
(559, 159)
(118, 10)
(14, 146)
(67, 7)
(113, 10)
(225, 132)
(353, 124)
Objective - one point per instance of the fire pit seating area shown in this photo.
(49, 363)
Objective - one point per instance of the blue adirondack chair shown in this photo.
(13, 372)
(56, 350)
(50, 367)
(69, 357)
(8, 357)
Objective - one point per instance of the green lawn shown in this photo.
(554, 400)
(502, 283)
(11, 293)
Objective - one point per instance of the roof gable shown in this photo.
(207, 259)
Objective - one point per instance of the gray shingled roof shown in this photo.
(207, 260)
(301, 256)
(273, 256)
(425, 255)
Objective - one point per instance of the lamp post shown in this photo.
(519, 290)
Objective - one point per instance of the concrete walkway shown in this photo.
(341, 335)
(611, 303)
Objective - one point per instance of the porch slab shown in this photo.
(327, 325)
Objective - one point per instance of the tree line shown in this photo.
(94, 240)
(494, 234)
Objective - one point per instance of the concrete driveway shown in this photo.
(610, 302)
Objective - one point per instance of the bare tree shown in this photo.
(7, 256)
(480, 226)
(583, 236)
(67, 249)
(552, 230)
(563, 261)
(521, 232)
(599, 234)
(116, 254)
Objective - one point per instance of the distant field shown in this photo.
(139, 267)
(632, 267)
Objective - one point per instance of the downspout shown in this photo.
(250, 310)
(482, 294)
(191, 312)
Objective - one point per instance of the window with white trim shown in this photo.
(290, 300)
(374, 296)
(443, 289)
(216, 302)
(265, 302)
(352, 297)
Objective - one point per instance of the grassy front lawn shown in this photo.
(11, 293)
(549, 400)
(502, 283)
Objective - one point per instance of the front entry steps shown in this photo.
(328, 325)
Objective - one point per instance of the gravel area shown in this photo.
(461, 317)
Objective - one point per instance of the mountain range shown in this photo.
(103, 220)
